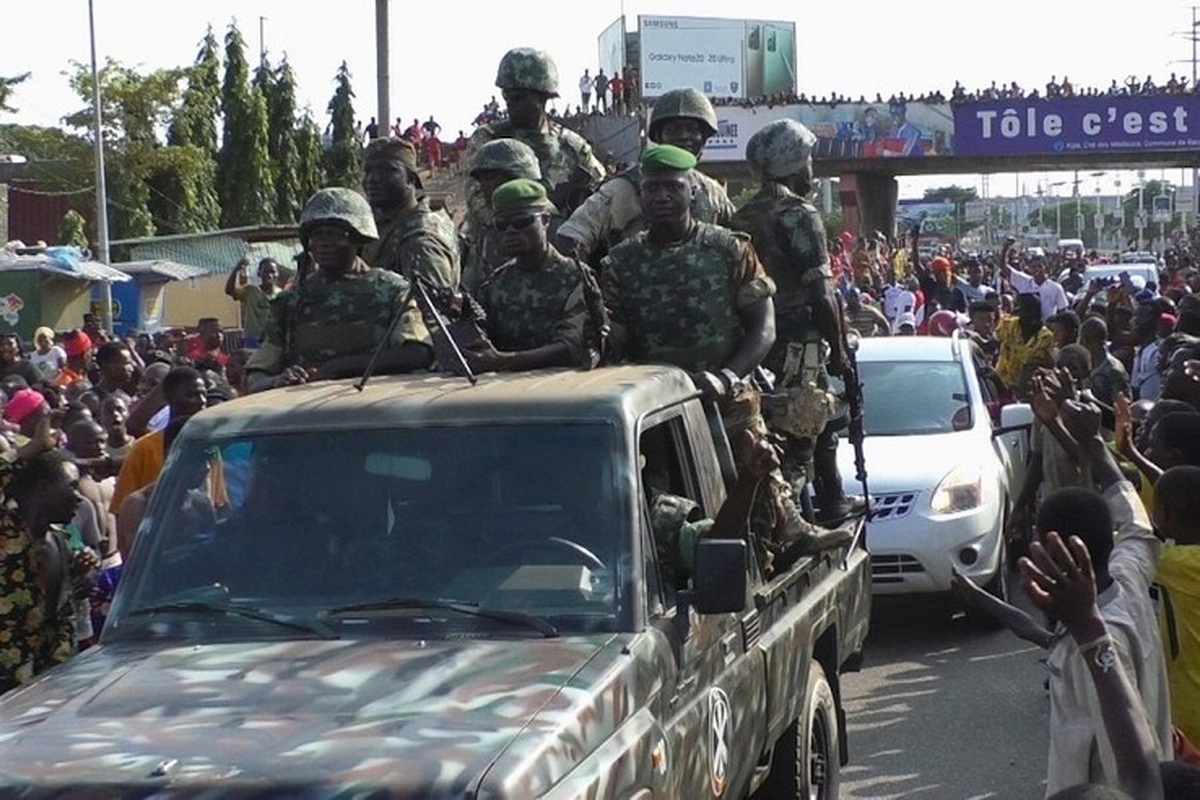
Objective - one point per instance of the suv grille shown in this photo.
(892, 569)
(892, 506)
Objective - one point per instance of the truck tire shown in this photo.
(806, 761)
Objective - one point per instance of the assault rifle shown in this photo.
(853, 395)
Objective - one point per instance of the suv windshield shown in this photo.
(905, 398)
(303, 526)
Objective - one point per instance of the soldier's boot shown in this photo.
(834, 506)
(795, 537)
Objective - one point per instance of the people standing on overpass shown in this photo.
(1034, 281)
(681, 117)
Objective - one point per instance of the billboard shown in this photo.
(1077, 125)
(612, 48)
(845, 130)
(720, 57)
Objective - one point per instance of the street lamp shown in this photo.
(1141, 212)
(1057, 208)
(101, 189)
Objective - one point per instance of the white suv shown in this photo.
(942, 471)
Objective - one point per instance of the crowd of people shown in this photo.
(554, 263)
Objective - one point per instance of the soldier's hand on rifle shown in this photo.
(482, 356)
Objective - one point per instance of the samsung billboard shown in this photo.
(721, 57)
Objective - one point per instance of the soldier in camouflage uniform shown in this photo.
(495, 163)
(537, 314)
(790, 239)
(528, 79)
(682, 117)
(694, 295)
(414, 239)
(331, 324)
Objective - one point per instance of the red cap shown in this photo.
(847, 237)
(940, 264)
(76, 343)
(23, 403)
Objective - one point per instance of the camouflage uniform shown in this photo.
(614, 212)
(417, 241)
(329, 316)
(531, 309)
(790, 238)
(481, 246)
(680, 304)
(570, 169)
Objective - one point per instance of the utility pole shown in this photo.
(262, 41)
(101, 189)
(383, 82)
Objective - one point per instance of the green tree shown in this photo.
(283, 135)
(243, 168)
(310, 173)
(71, 229)
(343, 158)
(61, 161)
(959, 196)
(196, 122)
(6, 90)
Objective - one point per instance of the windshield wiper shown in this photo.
(249, 612)
(540, 624)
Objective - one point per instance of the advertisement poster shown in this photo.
(846, 130)
(612, 48)
(724, 58)
(1077, 125)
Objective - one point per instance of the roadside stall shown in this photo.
(52, 287)
(140, 305)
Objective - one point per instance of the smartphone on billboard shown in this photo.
(778, 71)
(752, 60)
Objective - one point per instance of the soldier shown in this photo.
(495, 163)
(790, 239)
(694, 295)
(682, 117)
(330, 325)
(529, 79)
(537, 312)
(414, 239)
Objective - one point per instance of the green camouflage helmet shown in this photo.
(336, 204)
(682, 104)
(510, 156)
(526, 68)
(780, 149)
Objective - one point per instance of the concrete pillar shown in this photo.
(868, 203)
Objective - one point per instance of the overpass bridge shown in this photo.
(867, 145)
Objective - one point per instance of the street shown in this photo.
(942, 710)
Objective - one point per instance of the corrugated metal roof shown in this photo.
(218, 253)
(170, 270)
(83, 270)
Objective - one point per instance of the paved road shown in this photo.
(941, 710)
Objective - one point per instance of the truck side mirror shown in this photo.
(719, 576)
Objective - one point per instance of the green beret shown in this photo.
(518, 195)
(661, 158)
(400, 150)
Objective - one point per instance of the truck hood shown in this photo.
(426, 717)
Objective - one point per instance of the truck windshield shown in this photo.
(317, 527)
(907, 398)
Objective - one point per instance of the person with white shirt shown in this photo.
(1035, 281)
(1145, 379)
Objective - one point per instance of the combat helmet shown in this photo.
(510, 156)
(781, 148)
(682, 104)
(337, 204)
(526, 68)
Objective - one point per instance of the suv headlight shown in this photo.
(960, 490)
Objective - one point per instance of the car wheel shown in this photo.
(806, 761)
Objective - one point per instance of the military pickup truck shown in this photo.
(432, 589)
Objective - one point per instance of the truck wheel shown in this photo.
(806, 761)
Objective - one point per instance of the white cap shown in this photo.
(906, 318)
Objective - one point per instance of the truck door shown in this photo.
(715, 712)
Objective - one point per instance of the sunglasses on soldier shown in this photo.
(514, 223)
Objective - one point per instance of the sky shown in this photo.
(444, 55)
